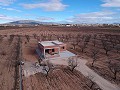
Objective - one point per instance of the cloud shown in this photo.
(6, 2)
(45, 19)
(10, 9)
(94, 17)
(51, 5)
(4, 17)
(111, 3)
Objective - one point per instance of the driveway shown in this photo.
(86, 71)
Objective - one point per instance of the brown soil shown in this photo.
(58, 79)
(64, 80)
(7, 64)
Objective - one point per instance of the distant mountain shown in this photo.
(31, 22)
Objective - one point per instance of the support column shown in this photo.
(44, 53)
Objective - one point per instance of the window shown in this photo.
(53, 50)
(63, 47)
(47, 51)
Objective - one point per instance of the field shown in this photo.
(8, 58)
(83, 41)
(59, 79)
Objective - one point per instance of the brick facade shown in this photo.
(51, 50)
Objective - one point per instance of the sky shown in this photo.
(61, 11)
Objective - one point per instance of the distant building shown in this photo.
(49, 49)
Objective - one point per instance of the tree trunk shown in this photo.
(106, 52)
(117, 51)
(74, 47)
(94, 43)
(47, 73)
(93, 63)
(82, 50)
(72, 69)
(92, 85)
(115, 74)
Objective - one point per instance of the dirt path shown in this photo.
(86, 71)
(102, 83)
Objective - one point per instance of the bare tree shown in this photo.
(63, 38)
(83, 46)
(85, 41)
(94, 55)
(47, 67)
(74, 44)
(106, 46)
(94, 40)
(82, 37)
(2, 51)
(67, 38)
(78, 39)
(114, 68)
(44, 37)
(35, 35)
(49, 37)
(58, 37)
(107, 36)
(1, 38)
(27, 37)
(118, 38)
(70, 36)
(117, 47)
(38, 38)
(72, 63)
(95, 36)
(11, 38)
(87, 38)
(39, 60)
(91, 83)
(113, 42)
(109, 59)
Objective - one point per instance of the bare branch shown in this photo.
(94, 55)
(114, 68)
(47, 67)
(72, 63)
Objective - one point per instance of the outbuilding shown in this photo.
(49, 49)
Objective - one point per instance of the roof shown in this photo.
(50, 43)
(57, 42)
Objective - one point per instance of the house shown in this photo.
(50, 49)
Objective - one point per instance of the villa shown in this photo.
(51, 49)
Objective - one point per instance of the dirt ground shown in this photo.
(7, 64)
(29, 49)
(66, 35)
(58, 79)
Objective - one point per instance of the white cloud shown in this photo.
(6, 2)
(45, 19)
(9, 18)
(2, 16)
(111, 3)
(94, 17)
(10, 9)
(51, 5)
